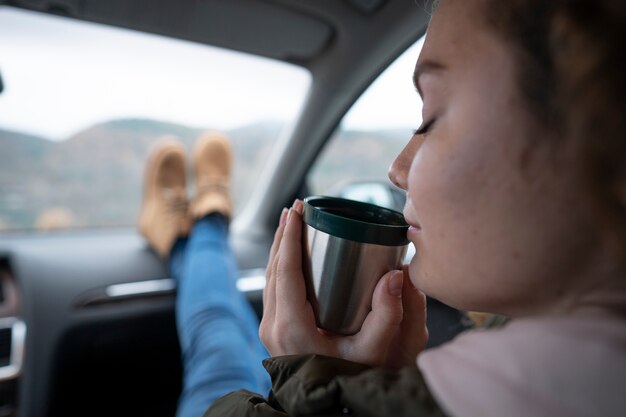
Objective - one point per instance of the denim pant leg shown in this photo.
(217, 327)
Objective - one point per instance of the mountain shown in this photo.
(15, 147)
(95, 176)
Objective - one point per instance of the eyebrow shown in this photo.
(422, 68)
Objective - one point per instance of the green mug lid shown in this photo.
(355, 220)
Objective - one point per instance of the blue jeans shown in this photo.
(217, 327)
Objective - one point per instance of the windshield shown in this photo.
(83, 103)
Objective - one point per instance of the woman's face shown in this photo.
(496, 219)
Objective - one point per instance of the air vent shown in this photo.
(12, 337)
(5, 346)
(5, 273)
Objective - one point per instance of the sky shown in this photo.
(62, 76)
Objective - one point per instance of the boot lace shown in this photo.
(175, 201)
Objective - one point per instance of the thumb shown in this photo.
(383, 321)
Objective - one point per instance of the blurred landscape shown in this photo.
(94, 178)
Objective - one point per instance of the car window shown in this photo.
(83, 103)
(355, 161)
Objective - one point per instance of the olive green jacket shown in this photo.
(314, 385)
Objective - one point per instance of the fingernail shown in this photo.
(283, 216)
(289, 215)
(394, 285)
(298, 206)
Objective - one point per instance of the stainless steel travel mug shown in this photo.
(348, 246)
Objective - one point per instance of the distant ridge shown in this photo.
(17, 147)
(95, 176)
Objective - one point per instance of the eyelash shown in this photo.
(424, 128)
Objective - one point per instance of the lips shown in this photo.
(411, 222)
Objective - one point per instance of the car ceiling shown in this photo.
(288, 30)
(345, 44)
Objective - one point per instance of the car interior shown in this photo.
(87, 321)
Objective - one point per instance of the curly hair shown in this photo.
(571, 71)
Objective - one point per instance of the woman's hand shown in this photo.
(393, 333)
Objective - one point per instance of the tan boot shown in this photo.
(212, 158)
(164, 213)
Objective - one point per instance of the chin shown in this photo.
(432, 285)
(416, 274)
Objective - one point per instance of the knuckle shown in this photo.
(272, 334)
(266, 335)
(393, 316)
(263, 334)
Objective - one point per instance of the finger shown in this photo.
(383, 322)
(412, 334)
(298, 205)
(290, 288)
(413, 326)
(278, 235)
(270, 288)
(269, 292)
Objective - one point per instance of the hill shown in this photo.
(95, 176)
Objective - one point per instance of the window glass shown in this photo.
(370, 136)
(83, 103)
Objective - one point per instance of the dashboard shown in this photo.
(87, 324)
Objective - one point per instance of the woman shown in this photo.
(516, 187)
(516, 198)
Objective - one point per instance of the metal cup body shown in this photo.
(341, 275)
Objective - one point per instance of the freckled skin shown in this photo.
(503, 227)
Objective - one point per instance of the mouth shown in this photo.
(413, 234)
(411, 222)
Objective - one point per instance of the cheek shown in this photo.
(459, 187)
(446, 181)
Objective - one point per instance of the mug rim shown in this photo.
(357, 230)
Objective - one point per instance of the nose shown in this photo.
(399, 169)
